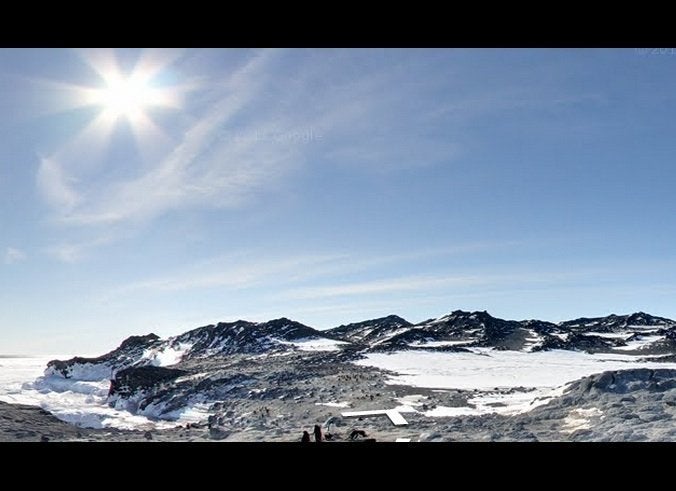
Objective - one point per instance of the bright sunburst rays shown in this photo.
(126, 97)
(123, 98)
(129, 95)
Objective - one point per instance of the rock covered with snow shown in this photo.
(637, 333)
(624, 382)
(129, 353)
(236, 371)
(161, 378)
(621, 405)
(245, 337)
(219, 339)
(612, 322)
(460, 330)
(372, 331)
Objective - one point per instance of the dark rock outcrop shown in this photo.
(227, 338)
(370, 331)
(133, 379)
(127, 354)
(613, 323)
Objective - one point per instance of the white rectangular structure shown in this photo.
(395, 417)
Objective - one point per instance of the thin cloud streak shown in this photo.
(231, 272)
(418, 283)
(176, 180)
(72, 252)
(408, 283)
(54, 185)
(14, 255)
(239, 269)
(208, 169)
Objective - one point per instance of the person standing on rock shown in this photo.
(318, 433)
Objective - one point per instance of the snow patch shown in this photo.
(196, 412)
(440, 343)
(443, 411)
(647, 328)
(532, 342)
(333, 404)
(639, 343)
(167, 355)
(534, 377)
(409, 403)
(80, 402)
(579, 419)
(82, 371)
(315, 344)
(609, 335)
(392, 334)
(484, 368)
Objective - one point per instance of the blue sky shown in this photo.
(329, 186)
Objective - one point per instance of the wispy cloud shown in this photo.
(380, 286)
(250, 130)
(431, 283)
(245, 268)
(55, 186)
(14, 255)
(232, 271)
(201, 169)
(71, 252)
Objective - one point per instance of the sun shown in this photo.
(126, 97)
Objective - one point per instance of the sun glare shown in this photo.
(126, 97)
(123, 97)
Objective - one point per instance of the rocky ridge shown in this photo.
(248, 374)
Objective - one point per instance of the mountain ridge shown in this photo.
(456, 331)
(240, 369)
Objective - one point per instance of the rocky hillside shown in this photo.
(246, 364)
(371, 332)
(626, 405)
(637, 333)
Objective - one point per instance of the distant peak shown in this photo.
(466, 313)
(132, 341)
(394, 318)
(281, 320)
(641, 316)
(237, 323)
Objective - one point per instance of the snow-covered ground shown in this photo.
(82, 402)
(333, 404)
(537, 376)
(609, 335)
(579, 419)
(506, 382)
(433, 344)
(485, 368)
(640, 343)
(320, 344)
